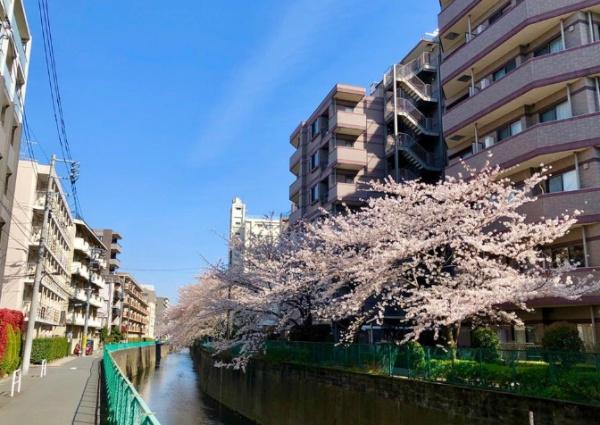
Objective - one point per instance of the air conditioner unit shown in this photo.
(484, 83)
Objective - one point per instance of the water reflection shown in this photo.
(173, 394)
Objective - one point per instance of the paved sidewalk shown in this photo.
(67, 395)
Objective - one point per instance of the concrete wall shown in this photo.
(280, 394)
(135, 362)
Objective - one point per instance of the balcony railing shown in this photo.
(408, 74)
(415, 152)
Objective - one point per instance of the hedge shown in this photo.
(49, 349)
(11, 323)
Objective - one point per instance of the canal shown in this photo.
(173, 394)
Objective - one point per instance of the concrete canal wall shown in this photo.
(285, 394)
(136, 361)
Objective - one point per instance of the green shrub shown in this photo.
(562, 340)
(487, 343)
(49, 349)
(411, 356)
(12, 353)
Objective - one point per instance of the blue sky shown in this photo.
(173, 109)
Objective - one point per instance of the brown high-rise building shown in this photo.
(520, 80)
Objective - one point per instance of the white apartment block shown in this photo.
(34, 183)
(87, 285)
(150, 294)
(15, 48)
(242, 228)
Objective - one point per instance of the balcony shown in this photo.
(295, 187)
(83, 246)
(295, 161)
(346, 192)
(453, 11)
(116, 247)
(525, 14)
(535, 79)
(97, 280)
(79, 320)
(350, 123)
(552, 205)
(114, 263)
(348, 158)
(46, 314)
(295, 216)
(80, 269)
(541, 139)
(79, 294)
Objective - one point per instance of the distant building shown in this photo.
(132, 303)
(111, 312)
(160, 321)
(243, 227)
(34, 183)
(150, 294)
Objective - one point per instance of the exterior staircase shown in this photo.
(407, 75)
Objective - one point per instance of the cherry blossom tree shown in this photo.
(441, 255)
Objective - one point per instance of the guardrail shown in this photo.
(124, 405)
(17, 377)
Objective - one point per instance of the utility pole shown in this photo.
(35, 296)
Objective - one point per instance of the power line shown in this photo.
(57, 107)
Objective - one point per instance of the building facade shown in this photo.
(88, 287)
(242, 228)
(111, 311)
(521, 82)
(150, 294)
(160, 321)
(38, 184)
(338, 148)
(15, 50)
(354, 137)
(134, 307)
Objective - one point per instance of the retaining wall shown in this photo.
(285, 394)
(136, 361)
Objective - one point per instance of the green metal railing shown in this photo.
(124, 404)
(532, 372)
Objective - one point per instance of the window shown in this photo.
(487, 142)
(553, 46)
(314, 194)
(574, 254)
(512, 64)
(7, 182)
(509, 130)
(497, 15)
(559, 112)
(314, 160)
(314, 127)
(563, 182)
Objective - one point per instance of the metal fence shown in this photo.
(124, 404)
(533, 372)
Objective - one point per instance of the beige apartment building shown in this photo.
(354, 137)
(35, 184)
(133, 319)
(15, 50)
(338, 148)
(243, 227)
(88, 286)
(521, 82)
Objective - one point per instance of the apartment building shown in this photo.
(111, 313)
(337, 149)
(150, 296)
(160, 321)
(88, 286)
(243, 227)
(134, 307)
(520, 80)
(15, 49)
(35, 185)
